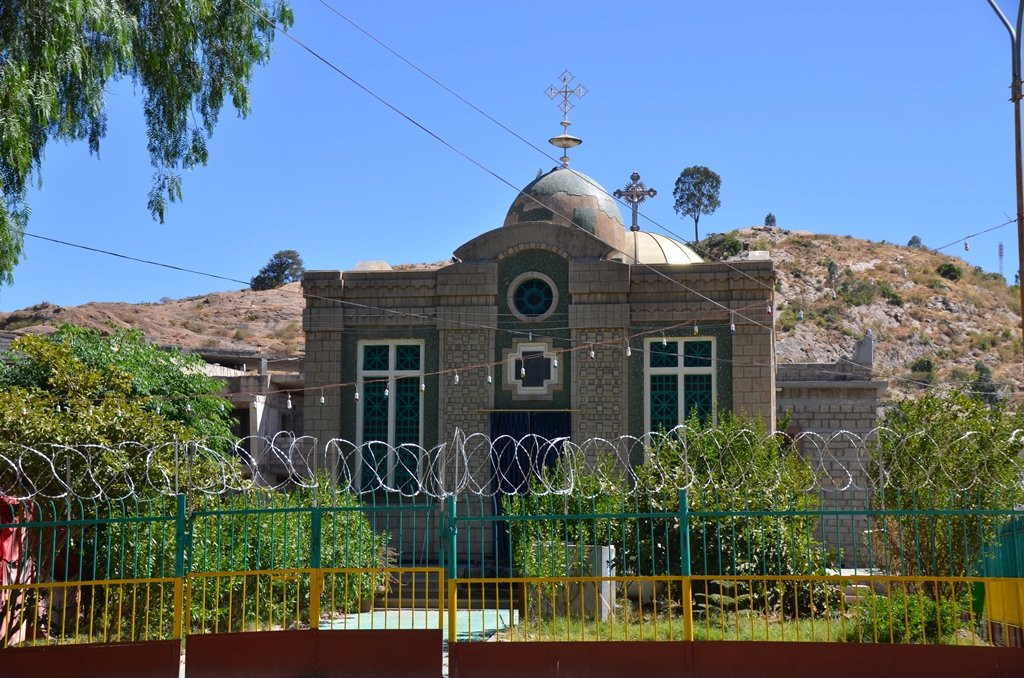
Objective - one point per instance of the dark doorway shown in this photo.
(522, 448)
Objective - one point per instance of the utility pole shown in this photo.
(1015, 96)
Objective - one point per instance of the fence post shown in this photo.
(451, 534)
(684, 556)
(178, 613)
(180, 537)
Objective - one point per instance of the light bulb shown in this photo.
(24, 411)
(696, 330)
(592, 354)
(289, 403)
(529, 336)
(554, 364)
(323, 400)
(663, 341)
(119, 411)
(158, 409)
(629, 351)
(357, 396)
(490, 379)
(522, 372)
(769, 309)
(58, 409)
(456, 377)
(732, 328)
(423, 387)
(188, 407)
(387, 392)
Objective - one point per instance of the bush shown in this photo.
(949, 452)
(949, 271)
(254, 531)
(903, 617)
(774, 477)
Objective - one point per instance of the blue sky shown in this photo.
(876, 119)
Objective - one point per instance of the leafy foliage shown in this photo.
(915, 241)
(774, 478)
(78, 387)
(984, 387)
(769, 219)
(967, 454)
(57, 59)
(258, 530)
(903, 616)
(284, 267)
(949, 271)
(696, 193)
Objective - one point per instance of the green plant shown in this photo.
(943, 452)
(284, 267)
(59, 61)
(904, 615)
(696, 193)
(949, 271)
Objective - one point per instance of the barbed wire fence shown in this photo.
(477, 465)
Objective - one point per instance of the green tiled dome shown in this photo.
(569, 198)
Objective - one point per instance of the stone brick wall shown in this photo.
(323, 322)
(838, 403)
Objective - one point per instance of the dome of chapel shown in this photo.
(569, 198)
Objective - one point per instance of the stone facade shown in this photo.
(835, 406)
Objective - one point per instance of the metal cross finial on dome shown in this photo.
(565, 140)
(635, 192)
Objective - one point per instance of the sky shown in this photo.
(876, 119)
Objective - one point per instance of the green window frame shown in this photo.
(679, 380)
(389, 417)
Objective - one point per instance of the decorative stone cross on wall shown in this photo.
(635, 192)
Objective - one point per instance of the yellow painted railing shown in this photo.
(851, 608)
(859, 609)
(100, 611)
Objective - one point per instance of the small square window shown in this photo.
(408, 357)
(697, 354)
(375, 358)
(664, 354)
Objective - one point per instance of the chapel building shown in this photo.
(561, 322)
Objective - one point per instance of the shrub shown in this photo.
(775, 477)
(915, 241)
(949, 271)
(903, 616)
(254, 531)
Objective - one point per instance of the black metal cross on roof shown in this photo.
(635, 192)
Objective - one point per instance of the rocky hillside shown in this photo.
(929, 327)
(268, 322)
(933, 316)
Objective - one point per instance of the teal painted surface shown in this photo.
(349, 358)
(1006, 557)
(556, 268)
(723, 370)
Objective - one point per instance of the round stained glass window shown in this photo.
(533, 298)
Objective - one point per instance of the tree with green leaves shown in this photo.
(58, 58)
(79, 388)
(284, 267)
(944, 452)
(769, 220)
(696, 193)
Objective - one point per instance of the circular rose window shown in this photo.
(533, 298)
